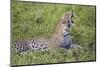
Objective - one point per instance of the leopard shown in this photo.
(62, 30)
(60, 38)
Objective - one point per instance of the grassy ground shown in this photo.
(38, 19)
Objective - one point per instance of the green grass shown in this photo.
(39, 20)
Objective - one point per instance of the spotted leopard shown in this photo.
(60, 38)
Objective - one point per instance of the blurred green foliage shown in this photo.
(30, 19)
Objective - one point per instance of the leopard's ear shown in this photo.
(72, 14)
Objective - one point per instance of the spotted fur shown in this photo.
(63, 27)
(57, 38)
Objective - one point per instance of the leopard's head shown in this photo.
(67, 20)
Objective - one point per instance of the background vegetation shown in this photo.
(31, 19)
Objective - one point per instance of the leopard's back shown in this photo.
(39, 44)
(34, 44)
